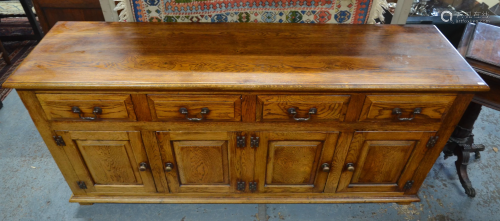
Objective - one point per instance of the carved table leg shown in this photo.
(461, 143)
(461, 165)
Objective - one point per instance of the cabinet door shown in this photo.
(292, 161)
(109, 161)
(199, 162)
(382, 161)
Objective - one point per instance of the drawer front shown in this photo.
(195, 107)
(418, 108)
(301, 107)
(66, 107)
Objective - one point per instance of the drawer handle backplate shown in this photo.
(97, 110)
(294, 112)
(184, 111)
(398, 111)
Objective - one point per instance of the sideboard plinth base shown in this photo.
(256, 199)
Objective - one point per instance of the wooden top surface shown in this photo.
(245, 57)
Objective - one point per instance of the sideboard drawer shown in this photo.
(405, 107)
(301, 107)
(195, 107)
(87, 107)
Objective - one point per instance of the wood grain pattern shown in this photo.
(248, 108)
(114, 107)
(379, 107)
(383, 161)
(108, 165)
(153, 152)
(337, 164)
(256, 126)
(222, 107)
(290, 162)
(248, 81)
(246, 157)
(275, 107)
(201, 164)
(51, 11)
(456, 111)
(297, 58)
(34, 108)
(108, 161)
(141, 107)
(484, 44)
(249, 198)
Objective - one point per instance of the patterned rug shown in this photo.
(18, 50)
(266, 11)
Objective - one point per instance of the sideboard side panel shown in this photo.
(444, 133)
(36, 112)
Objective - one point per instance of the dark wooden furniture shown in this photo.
(244, 113)
(51, 11)
(479, 46)
(5, 54)
(28, 12)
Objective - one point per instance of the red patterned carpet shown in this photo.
(18, 50)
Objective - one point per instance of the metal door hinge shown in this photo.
(254, 141)
(240, 141)
(241, 186)
(252, 186)
(59, 141)
(82, 185)
(432, 141)
(408, 185)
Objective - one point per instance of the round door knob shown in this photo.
(350, 167)
(169, 167)
(325, 167)
(143, 166)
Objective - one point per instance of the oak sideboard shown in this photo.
(244, 113)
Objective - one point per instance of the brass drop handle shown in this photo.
(143, 166)
(312, 111)
(350, 167)
(97, 110)
(185, 111)
(325, 167)
(169, 167)
(398, 111)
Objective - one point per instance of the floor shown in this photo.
(32, 188)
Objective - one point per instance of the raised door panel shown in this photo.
(201, 162)
(291, 162)
(382, 161)
(109, 161)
